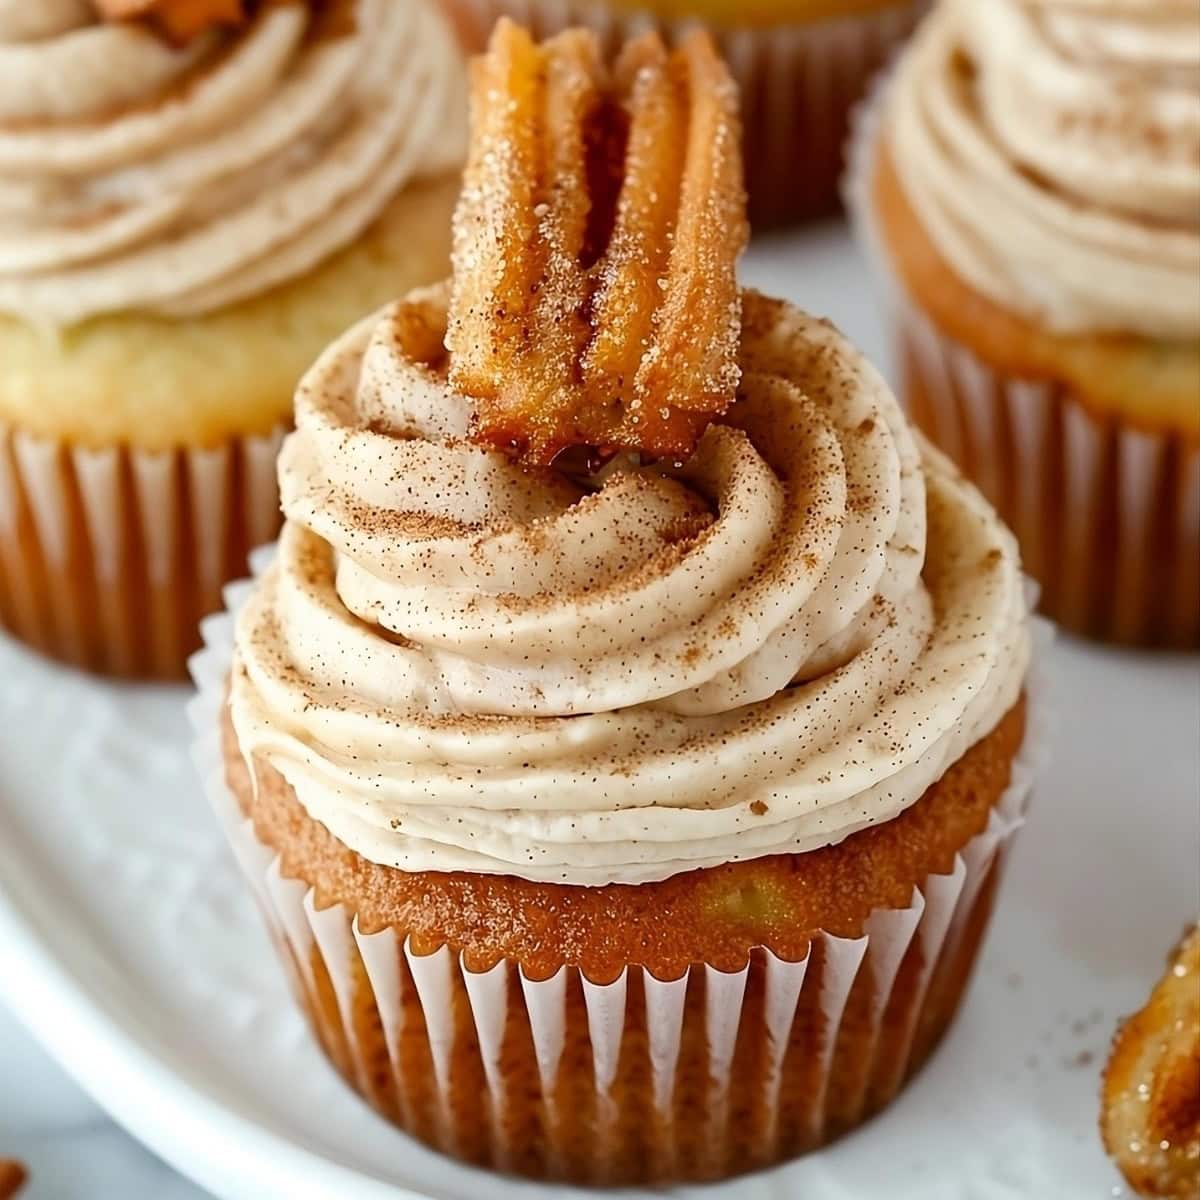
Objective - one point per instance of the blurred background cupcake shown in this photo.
(801, 65)
(631, 826)
(1030, 178)
(191, 205)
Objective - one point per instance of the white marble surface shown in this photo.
(72, 1150)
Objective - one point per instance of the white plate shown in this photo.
(132, 952)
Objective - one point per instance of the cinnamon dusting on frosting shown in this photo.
(610, 668)
(1051, 150)
(140, 174)
(621, 676)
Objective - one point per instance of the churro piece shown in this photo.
(595, 300)
(1150, 1115)
(179, 20)
(13, 1177)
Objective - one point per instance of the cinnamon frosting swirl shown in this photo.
(1052, 151)
(582, 678)
(139, 175)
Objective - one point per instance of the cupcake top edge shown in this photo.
(1051, 149)
(176, 177)
(513, 629)
(462, 663)
(592, 649)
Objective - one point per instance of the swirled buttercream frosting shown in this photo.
(1052, 151)
(585, 676)
(139, 175)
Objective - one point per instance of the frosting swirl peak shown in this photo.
(461, 664)
(176, 180)
(1052, 151)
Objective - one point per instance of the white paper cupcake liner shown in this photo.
(1107, 515)
(798, 83)
(482, 1064)
(110, 557)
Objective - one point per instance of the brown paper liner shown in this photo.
(798, 85)
(1107, 515)
(639, 1080)
(109, 558)
(558, 1079)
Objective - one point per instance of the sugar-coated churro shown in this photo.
(1151, 1099)
(595, 299)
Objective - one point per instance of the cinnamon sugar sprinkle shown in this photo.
(746, 623)
(594, 301)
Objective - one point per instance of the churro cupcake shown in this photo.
(191, 205)
(1030, 179)
(801, 66)
(627, 734)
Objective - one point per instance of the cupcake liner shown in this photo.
(110, 557)
(636, 1079)
(798, 84)
(1107, 515)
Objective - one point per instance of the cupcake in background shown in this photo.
(190, 207)
(800, 65)
(627, 736)
(1029, 180)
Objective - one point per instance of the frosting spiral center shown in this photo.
(462, 664)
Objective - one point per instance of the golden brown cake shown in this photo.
(626, 737)
(1049, 325)
(187, 222)
(801, 66)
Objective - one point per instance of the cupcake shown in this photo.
(1030, 180)
(626, 735)
(184, 224)
(801, 66)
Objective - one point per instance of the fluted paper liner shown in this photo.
(798, 84)
(691, 1078)
(110, 557)
(1107, 515)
